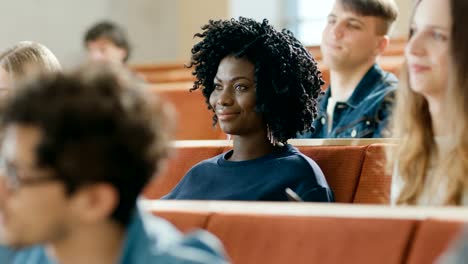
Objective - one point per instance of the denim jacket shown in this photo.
(365, 114)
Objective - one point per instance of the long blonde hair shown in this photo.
(455, 164)
(412, 124)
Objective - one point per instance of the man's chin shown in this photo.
(336, 64)
(17, 245)
(12, 241)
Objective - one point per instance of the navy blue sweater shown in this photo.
(261, 179)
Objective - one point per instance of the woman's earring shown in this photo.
(270, 136)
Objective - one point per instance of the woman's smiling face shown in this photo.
(234, 97)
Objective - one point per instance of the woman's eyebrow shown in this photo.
(233, 79)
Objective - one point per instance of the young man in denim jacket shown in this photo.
(358, 102)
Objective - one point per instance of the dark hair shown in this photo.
(288, 80)
(96, 127)
(112, 32)
(458, 45)
(387, 10)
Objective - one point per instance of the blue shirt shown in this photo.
(364, 115)
(149, 239)
(261, 179)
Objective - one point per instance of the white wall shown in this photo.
(60, 25)
(151, 26)
(258, 10)
(401, 27)
(55, 23)
(279, 15)
(160, 30)
(191, 15)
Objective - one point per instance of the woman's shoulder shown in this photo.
(297, 160)
(295, 154)
(306, 170)
(208, 163)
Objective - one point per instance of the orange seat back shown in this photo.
(194, 120)
(186, 221)
(431, 239)
(176, 167)
(326, 240)
(355, 173)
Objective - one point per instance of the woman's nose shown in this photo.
(415, 46)
(225, 98)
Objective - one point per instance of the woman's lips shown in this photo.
(223, 116)
(418, 68)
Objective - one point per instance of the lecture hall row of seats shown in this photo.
(354, 169)
(351, 231)
(359, 228)
(159, 74)
(390, 60)
(257, 233)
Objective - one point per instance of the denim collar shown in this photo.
(363, 89)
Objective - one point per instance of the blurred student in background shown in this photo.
(23, 59)
(359, 99)
(107, 42)
(77, 151)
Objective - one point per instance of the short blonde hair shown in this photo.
(386, 10)
(26, 56)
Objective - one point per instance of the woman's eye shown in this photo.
(438, 36)
(218, 87)
(240, 87)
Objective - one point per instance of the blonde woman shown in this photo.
(25, 58)
(430, 163)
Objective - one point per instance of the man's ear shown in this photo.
(122, 54)
(95, 203)
(382, 44)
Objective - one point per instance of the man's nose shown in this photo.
(96, 56)
(4, 191)
(337, 30)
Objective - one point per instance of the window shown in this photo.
(308, 19)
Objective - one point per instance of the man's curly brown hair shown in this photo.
(97, 125)
(288, 80)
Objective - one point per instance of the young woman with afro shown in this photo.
(262, 86)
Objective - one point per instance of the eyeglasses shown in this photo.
(14, 181)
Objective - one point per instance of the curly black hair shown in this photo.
(288, 81)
